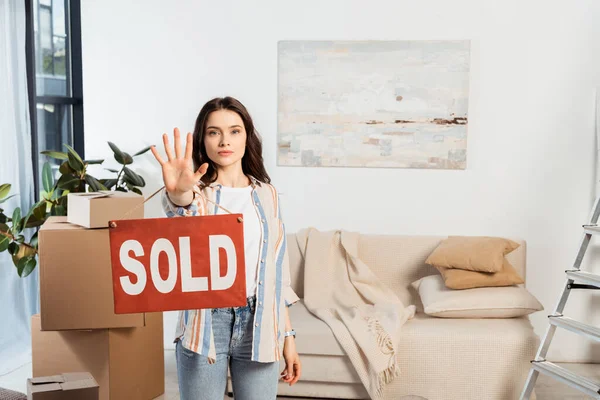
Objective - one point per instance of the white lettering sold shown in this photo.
(189, 283)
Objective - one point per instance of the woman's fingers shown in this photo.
(177, 137)
(189, 146)
(167, 147)
(156, 155)
(201, 171)
(297, 373)
(285, 376)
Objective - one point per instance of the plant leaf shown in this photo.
(4, 227)
(23, 251)
(93, 161)
(63, 200)
(75, 161)
(34, 240)
(13, 248)
(25, 266)
(3, 200)
(65, 168)
(112, 170)
(118, 153)
(134, 178)
(25, 220)
(29, 267)
(37, 215)
(136, 190)
(39, 209)
(16, 219)
(142, 151)
(4, 190)
(60, 210)
(121, 189)
(94, 183)
(75, 164)
(127, 159)
(68, 182)
(4, 242)
(74, 153)
(109, 183)
(47, 178)
(55, 154)
(34, 223)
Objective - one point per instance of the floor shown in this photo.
(546, 389)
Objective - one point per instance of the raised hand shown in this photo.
(178, 171)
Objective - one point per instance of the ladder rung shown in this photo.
(591, 229)
(575, 326)
(584, 277)
(578, 382)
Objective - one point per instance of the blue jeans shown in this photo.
(251, 380)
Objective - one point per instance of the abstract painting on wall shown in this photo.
(392, 104)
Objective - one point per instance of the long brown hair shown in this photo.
(252, 161)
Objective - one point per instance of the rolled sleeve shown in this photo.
(289, 296)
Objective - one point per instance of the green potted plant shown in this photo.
(74, 177)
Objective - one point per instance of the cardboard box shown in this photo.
(94, 210)
(127, 363)
(70, 386)
(76, 279)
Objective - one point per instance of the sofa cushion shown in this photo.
(462, 279)
(485, 302)
(494, 353)
(473, 253)
(313, 336)
(7, 394)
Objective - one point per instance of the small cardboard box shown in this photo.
(76, 286)
(127, 363)
(94, 210)
(69, 386)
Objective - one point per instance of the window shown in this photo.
(54, 79)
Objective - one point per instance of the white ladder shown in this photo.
(576, 279)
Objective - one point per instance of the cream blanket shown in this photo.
(364, 315)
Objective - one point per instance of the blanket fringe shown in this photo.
(386, 346)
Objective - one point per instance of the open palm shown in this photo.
(178, 171)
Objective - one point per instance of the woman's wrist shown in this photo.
(182, 199)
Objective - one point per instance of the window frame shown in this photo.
(73, 73)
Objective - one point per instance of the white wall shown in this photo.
(530, 164)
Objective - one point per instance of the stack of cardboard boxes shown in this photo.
(77, 329)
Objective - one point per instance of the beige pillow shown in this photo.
(488, 302)
(473, 253)
(462, 279)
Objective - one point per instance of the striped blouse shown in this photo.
(273, 290)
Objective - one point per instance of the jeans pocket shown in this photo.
(182, 350)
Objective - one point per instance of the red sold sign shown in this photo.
(163, 264)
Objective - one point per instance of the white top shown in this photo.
(239, 200)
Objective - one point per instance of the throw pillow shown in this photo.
(473, 253)
(487, 302)
(462, 279)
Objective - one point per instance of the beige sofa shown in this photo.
(440, 358)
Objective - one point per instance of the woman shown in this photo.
(222, 170)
